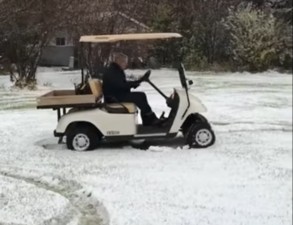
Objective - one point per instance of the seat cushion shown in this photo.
(121, 108)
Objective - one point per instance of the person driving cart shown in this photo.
(117, 89)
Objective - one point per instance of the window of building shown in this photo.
(60, 41)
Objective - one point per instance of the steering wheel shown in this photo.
(146, 76)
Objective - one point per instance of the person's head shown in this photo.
(121, 59)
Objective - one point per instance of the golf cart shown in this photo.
(90, 120)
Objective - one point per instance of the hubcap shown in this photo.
(81, 142)
(204, 137)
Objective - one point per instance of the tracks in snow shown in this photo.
(89, 210)
(15, 101)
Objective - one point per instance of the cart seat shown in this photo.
(119, 108)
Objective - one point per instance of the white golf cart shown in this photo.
(90, 121)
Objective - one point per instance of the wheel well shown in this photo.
(192, 119)
(80, 124)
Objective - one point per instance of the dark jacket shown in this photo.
(115, 85)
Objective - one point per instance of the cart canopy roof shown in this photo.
(128, 37)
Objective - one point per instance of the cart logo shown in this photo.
(113, 132)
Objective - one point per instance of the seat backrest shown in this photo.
(96, 87)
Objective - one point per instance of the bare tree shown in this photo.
(104, 17)
(25, 28)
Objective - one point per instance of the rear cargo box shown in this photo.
(64, 99)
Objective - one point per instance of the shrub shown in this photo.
(257, 39)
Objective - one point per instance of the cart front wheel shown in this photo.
(82, 139)
(200, 136)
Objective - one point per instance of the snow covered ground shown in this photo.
(246, 178)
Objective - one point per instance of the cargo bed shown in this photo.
(63, 99)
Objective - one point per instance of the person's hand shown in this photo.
(135, 85)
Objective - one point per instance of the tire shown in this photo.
(82, 139)
(200, 136)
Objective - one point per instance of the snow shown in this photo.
(246, 178)
(15, 194)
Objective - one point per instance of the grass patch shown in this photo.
(3, 73)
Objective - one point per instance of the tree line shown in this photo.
(228, 34)
(218, 34)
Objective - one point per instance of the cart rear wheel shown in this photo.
(200, 136)
(82, 139)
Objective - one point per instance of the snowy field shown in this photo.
(245, 179)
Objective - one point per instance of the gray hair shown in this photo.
(118, 57)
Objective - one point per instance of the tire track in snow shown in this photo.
(17, 99)
(16, 102)
(251, 126)
(91, 211)
(66, 216)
